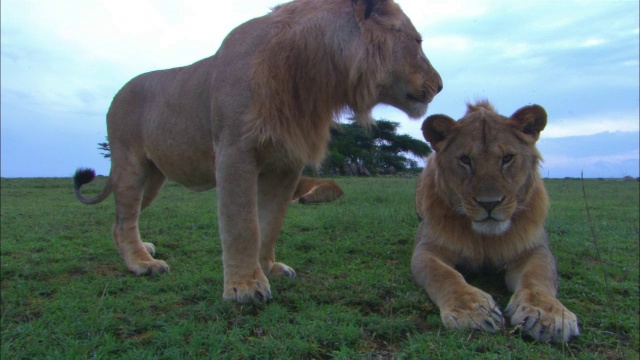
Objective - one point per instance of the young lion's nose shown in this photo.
(488, 205)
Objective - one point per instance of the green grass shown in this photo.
(66, 293)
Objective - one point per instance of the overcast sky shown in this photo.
(63, 61)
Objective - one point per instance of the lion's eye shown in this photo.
(419, 41)
(507, 159)
(464, 159)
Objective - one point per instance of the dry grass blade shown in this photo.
(612, 305)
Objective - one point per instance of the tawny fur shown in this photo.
(247, 119)
(295, 78)
(316, 191)
(483, 206)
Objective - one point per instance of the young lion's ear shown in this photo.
(436, 128)
(531, 120)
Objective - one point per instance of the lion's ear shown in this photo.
(531, 120)
(436, 128)
(364, 8)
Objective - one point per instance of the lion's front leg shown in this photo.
(534, 307)
(461, 305)
(244, 280)
(275, 189)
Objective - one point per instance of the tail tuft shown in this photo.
(83, 176)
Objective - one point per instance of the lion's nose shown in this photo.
(488, 205)
(440, 86)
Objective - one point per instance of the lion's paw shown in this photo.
(256, 291)
(475, 310)
(151, 249)
(150, 267)
(280, 270)
(544, 319)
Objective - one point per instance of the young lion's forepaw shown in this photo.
(544, 319)
(475, 310)
(256, 291)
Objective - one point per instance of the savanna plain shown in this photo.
(66, 293)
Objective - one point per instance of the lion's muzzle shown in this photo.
(491, 226)
(489, 215)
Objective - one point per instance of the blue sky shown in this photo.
(63, 61)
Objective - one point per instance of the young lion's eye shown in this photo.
(419, 41)
(507, 159)
(464, 159)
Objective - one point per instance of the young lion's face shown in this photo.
(487, 164)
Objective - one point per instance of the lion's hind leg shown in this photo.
(155, 180)
(310, 197)
(326, 191)
(134, 189)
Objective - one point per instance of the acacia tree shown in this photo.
(380, 148)
(104, 148)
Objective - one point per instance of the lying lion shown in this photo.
(483, 205)
(316, 191)
(247, 119)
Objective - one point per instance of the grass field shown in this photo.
(66, 293)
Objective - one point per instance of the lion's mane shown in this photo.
(307, 70)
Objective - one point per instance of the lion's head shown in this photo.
(325, 57)
(400, 73)
(486, 164)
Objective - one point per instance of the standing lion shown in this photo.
(483, 206)
(247, 119)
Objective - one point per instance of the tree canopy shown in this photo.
(104, 148)
(379, 149)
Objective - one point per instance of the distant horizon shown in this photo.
(624, 178)
(567, 156)
(563, 157)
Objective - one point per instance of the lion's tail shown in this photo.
(85, 176)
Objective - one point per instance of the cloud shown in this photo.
(62, 62)
(453, 43)
(438, 14)
(591, 125)
(606, 154)
(589, 161)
